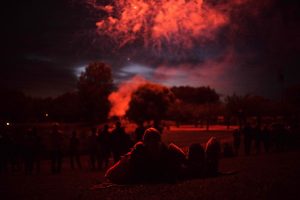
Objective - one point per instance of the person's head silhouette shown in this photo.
(152, 142)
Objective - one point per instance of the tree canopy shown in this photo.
(196, 95)
(150, 102)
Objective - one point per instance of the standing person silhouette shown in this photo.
(28, 151)
(92, 145)
(104, 147)
(236, 141)
(75, 151)
(266, 138)
(56, 149)
(257, 134)
(38, 149)
(120, 142)
(248, 136)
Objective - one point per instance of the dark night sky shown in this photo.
(46, 43)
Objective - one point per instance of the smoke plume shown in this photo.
(121, 98)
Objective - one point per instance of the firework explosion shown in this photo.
(161, 23)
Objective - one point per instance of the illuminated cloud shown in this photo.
(137, 69)
(79, 69)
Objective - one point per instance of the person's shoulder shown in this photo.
(175, 149)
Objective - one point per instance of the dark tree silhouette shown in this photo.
(292, 97)
(150, 102)
(196, 95)
(194, 104)
(94, 85)
(66, 107)
(13, 105)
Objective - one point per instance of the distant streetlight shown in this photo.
(7, 124)
(46, 114)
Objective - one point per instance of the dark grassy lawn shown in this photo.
(273, 176)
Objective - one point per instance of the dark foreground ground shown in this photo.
(266, 176)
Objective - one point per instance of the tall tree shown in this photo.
(94, 86)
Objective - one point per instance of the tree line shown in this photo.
(182, 104)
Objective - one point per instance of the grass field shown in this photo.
(186, 135)
(264, 176)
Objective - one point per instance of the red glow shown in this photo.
(121, 98)
(175, 22)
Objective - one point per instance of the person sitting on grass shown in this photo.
(151, 161)
(195, 165)
(212, 153)
(203, 162)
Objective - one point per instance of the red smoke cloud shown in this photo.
(121, 98)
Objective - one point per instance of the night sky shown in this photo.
(47, 43)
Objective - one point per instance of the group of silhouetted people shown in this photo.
(23, 148)
(20, 150)
(142, 158)
(103, 144)
(151, 161)
(275, 137)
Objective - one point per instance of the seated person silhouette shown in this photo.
(149, 161)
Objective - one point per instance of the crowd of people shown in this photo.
(143, 157)
(20, 150)
(150, 160)
(256, 138)
(23, 149)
